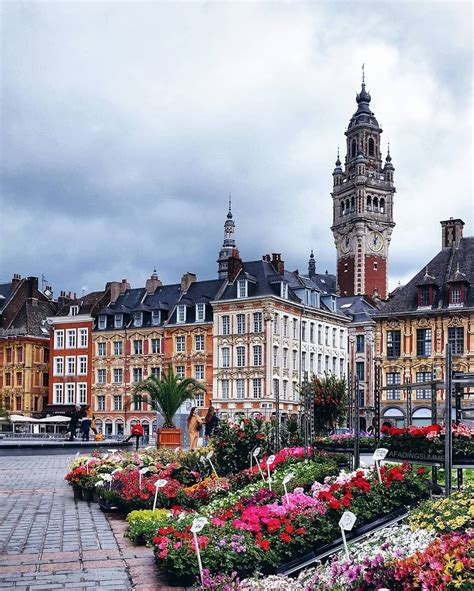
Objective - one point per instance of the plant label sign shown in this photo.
(196, 527)
(140, 474)
(286, 480)
(347, 520)
(108, 478)
(380, 453)
(112, 451)
(209, 455)
(158, 484)
(270, 460)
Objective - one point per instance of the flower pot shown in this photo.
(87, 495)
(170, 438)
(77, 491)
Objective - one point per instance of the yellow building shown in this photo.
(412, 329)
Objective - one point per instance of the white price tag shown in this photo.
(161, 483)
(107, 477)
(112, 451)
(270, 460)
(198, 524)
(288, 477)
(210, 454)
(380, 453)
(144, 470)
(256, 452)
(347, 520)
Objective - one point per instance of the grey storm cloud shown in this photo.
(126, 125)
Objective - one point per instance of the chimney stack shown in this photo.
(234, 265)
(186, 281)
(114, 288)
(124, 286)
(15, 280)
(451, 230)
(153, 283)
(278, 263)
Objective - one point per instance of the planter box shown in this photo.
(169, 438)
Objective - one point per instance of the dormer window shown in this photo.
(181, 314)
(242, 288)
(200, 312)
(118, 320)
(424, 295)
(102, 322)
(155, 317)
(73, 310)
(456, 294)
(284, 290)
(137, 318)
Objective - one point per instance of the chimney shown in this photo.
(124, 286)
(114, 288)
(186, 281)
(153, 283)
(15, 280)
(266, 258)
(32, 285)
(278, 263)
(451, 232)
(234, 265)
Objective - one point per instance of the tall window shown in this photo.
(326, 335)
(276, 388)
(242, 288)
(423, 393)
(138, 347)
(58, 366)
(199, 399)
(257, 387)
(295, 328)
(225, 389)
(393, 378)
(423, 342)
(118, 403)
(118, 321)
(285, 326)
(200, 312)
(424, 295)
(101, 376)
(311, 362)
(58, 339)
(70, 366)
(371, 147)
(58, 393)
(101, 349)
(303, 361)
(303, 330)
(199, 342)
(137, 374)
(155, 317)
(320, 334)
(118, 375)
(257, 354)
(360, 343)
(320, 363)
(102, 322)
(156, 372)
(311, 332)
(8, 379)
(81, 393)
(156, 346)
(180, 344)
(275, 324)
(83, 334)
(240, 384)
(70, 393)
(225, 325)
(19, 378)
(293, 391)
(199, 372)
(456, 339)
(360, 370)
(285, 358)
(285, 390)
(181, 371)
(456, 294)
(257, 322)
(225, 357)
(240, 356)
(181, 316)
(100, 403)
(71, 338)
(240, 323)
(393, 343)
(82, 365)
(284, 290)
(118, 348)
(334, 332)
(294, 355)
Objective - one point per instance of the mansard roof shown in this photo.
(199, 292)
(405, 300)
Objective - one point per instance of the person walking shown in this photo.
(73, 423)
(86, 425)
(194, 426)
(137, 432)
(211, 421)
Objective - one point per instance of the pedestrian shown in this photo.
(194, 427)
(73, 423)
(85, 426)
(137, 432)
(211, 421)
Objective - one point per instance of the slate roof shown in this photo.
(199, 292)
(87, 303)
(31, 317)
(441, 268)
(5, 294)
(358, 308)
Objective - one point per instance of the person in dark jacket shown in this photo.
(73, 423)
(211, 421)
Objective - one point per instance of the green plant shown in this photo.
(167, 394)
(329, 395)
(142, 525)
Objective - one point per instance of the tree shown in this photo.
(167, 394)
(330, 402)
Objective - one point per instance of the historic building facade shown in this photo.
(273, 328)
(435, 308)
(363, 195)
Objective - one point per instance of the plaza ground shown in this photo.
(50, 541)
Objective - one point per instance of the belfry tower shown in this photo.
(228, 246)
(363, 206)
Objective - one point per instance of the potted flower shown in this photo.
(166, 395)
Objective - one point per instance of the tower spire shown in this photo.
(229, 213)
(363, 74)
(228, 246)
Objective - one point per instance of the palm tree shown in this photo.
(167, 394)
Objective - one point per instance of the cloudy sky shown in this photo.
(125, 126)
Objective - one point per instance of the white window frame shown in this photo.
(102, 322)
(100, 403)
(257, 357)
(71, 335)
(285, 326)
(70, 397)
(153, 342)
(101, 376)
(180, 344)
(138, 349)
(118, 321)
(181, 371)
(59, 339)
(81, 393)
(70, 365)
(239, 356)
(73, 310)
(118, 345)
(257, 322)
(240, 389)
(225, 353)
(58, 393)
(226, 325)
(199, 372)
(257, 388)
(242, 288)
(200, 312)
(117, 373)
(58, 367)
(101, 345)
(135, 372)
(83, 338)
(225, 389)
(181, 314)
(199, 342)
(82, 365)
(155, 317)
(284, 290)
(118, 403)
(138, 319)
(241, 323)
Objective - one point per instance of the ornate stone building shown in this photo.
(363, 207)
(436, 307)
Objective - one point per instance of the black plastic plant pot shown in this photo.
(108, 505)
(77, 491)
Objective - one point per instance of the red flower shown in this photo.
(300, 531)
(421, 470)
(265, 544)
(335, 504)
(289, 529)
(285, 537)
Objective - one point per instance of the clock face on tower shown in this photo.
(375, 241)
(346, 244)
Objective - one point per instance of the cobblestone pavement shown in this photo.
(50, 541)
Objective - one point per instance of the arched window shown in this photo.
(376, 204)
(371, 146)
(369, 203)
(382, 205)
(342, 207)
(353, 149)
(352, 204)
(347, 205)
